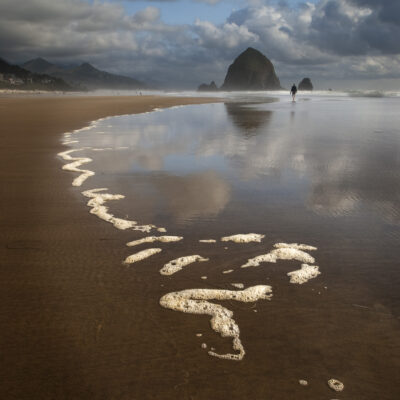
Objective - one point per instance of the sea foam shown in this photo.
(141, 255)
(178, 264)
(282, 253)
(243, 238)
(304, 274)
(151, 239)
(194, 301)
(97, 203)
(75, 164)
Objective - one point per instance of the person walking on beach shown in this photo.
(293, 92)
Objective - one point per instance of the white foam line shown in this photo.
(294, 246)
(70, 141)
(97, 201)
(151, 239)
(238, 285)
(228, 271)
(178, 264)
(193, 301)
(243, 238)
(207, 241)
(304, 274)
(286, 253)
(75, 164)
(102, 148)
(141, 255)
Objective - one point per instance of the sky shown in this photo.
(339, 44)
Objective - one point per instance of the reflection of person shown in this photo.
(293, 92)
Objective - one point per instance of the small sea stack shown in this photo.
(306, 84)
(212, 87)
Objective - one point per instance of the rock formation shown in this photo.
(212, 87)
(251, 70)
(306, 84)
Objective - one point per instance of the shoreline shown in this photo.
(58, 268)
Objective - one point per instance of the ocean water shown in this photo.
(324, 172)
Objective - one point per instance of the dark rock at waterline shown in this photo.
(251, 70)
(212, 87)
(306, 84)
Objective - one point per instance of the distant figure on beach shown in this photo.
(293, 92)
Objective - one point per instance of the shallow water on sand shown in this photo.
(321, 171)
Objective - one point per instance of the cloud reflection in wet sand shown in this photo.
(196, 173)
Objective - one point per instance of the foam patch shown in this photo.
(243, 238)
(97, 201)
(178, 264)
(294, 246)
(74, 166)
(141, 255)
(283, 253)
(151, 239)
(335, 385)
(207, 241)
(227, 271)
(194, 301)
(304, 274)
(238, 285)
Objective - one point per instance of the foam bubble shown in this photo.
(102, 148)
(141, 255)
(207, 241)
(97, 201)
(75, 164)
(294, 246)
(204, 277)
(238, 285)
(70, 141)
(284, 253)
(176, 265)
(303, 382)
(243, 238)
(335, 385)
(193, 301)
(151, 239)
(304, 274)
(162, 230)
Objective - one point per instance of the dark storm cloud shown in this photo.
(356, 27)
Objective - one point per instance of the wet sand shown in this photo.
(57, 261)
(78, 324)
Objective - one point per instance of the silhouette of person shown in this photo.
(293, 92)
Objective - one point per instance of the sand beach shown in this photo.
(245, 249)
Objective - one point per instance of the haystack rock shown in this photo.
(306, 84)
(212, 87)
(251, 70)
